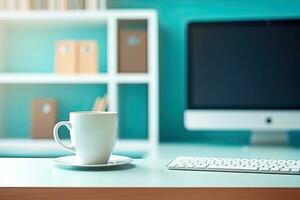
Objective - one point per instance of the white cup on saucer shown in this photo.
(93, 136)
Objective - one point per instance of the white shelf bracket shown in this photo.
(112, 89)
(153, 89)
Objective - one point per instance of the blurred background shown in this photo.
(31, 48)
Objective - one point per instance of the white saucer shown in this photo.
(70, 161)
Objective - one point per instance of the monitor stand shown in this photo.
(270, 138)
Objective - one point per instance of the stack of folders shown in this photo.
(62, 5)
(77, 57)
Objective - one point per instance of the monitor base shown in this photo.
(269, 138)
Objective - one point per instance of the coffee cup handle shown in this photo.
(56, 137)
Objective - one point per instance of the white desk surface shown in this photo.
(41, 172)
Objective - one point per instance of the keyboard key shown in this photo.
(201, 166)
(295, 170)
(264, 169)
(172, 164)
(274, 169)
(190, 166)
(244, 168)
(181, 165)
(285, 170)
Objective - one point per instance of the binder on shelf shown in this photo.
(132, 51)
(88, 57)
(44, 117)
(66, 57)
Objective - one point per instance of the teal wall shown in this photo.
(35, 45)
(173, 18)
(18, 99)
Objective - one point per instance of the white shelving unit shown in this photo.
(112, 78)
(43, 78)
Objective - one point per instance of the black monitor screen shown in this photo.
(244, 65)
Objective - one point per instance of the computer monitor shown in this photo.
(244, 75)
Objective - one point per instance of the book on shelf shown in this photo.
(11, 5)
(2, 5)
(91, 4)
(52, 5)
(100, 104)
(24, 5)
(102, 4)
(39, 4)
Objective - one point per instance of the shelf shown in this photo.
(32, 78)
(46, 18)
(39, 78)
(132, 78)
(67, 17)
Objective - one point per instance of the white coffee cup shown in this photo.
(93, 135)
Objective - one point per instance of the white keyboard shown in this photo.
(236, 165)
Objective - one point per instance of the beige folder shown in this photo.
(88, 57)
(132, 52)
(66, 57)
(44, 114)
